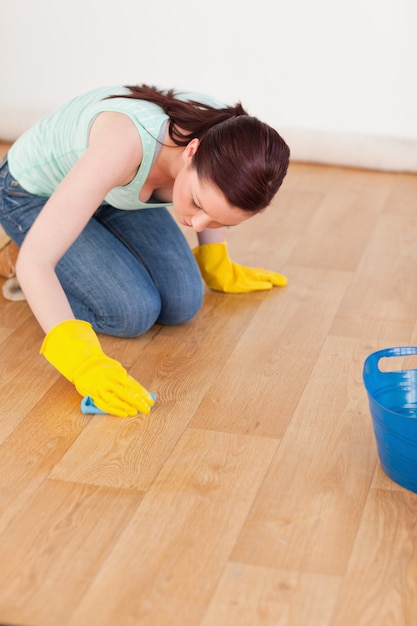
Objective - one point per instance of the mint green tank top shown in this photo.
(45, 153)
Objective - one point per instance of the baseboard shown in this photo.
(353, 150)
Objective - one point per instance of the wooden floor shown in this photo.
(252, 495)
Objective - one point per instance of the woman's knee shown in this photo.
(181, 306)
(135, 315)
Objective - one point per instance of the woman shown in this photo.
(84, 192)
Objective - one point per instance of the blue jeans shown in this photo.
(126, 271)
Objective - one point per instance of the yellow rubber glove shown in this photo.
(221, 274)
(73, 348)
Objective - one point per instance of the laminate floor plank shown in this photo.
(308, 510)
(380, 581)
(181, 535)
(47, 568)
(248, 595)
(260, 384)
(381, 302)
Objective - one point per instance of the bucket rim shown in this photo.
(376, 380)
(371, 362)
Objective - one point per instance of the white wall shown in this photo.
(337, 79)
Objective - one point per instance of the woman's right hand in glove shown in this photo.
(73, 348)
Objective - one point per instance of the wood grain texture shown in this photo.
(248, 595)
(252, 495)
(308, 510)
(380, 582)
(70, 539)
(182, 533)
(273, 360)
(381, 301)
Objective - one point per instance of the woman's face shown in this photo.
(199, 204)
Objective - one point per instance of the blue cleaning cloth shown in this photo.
(88, 406)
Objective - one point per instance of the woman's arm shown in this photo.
(211, 235)
(113, 156)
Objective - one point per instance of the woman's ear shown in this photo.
(190, 149)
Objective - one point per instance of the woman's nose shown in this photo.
(200, 222)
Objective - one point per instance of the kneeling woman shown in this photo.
(84, 192)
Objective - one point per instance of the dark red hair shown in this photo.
(244, 157)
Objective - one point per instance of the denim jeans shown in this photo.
(126, 271)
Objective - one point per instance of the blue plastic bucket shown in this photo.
(392, 400)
